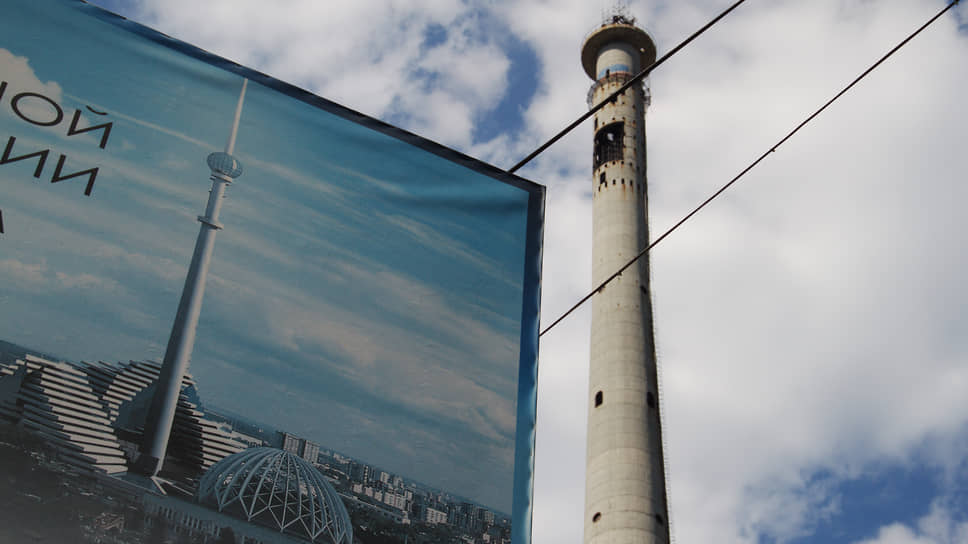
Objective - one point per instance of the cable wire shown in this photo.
(772, 149)
(637, 78)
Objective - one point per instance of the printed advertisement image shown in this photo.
(232, 311)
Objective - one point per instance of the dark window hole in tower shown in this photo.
(613, 182)
(608, 144)
(644, 290)
(599, 398)
(650, 399)
(596, 517)
(602, 180)
(659, 519)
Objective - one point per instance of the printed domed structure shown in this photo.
(279, 490)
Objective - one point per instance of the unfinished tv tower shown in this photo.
(625, 493)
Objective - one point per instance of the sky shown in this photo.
(371, 306)
(809, 324)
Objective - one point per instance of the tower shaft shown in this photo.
(161, 413)
(625, 494)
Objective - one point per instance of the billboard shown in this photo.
(233, 311)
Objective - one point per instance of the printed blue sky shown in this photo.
(370, 305)
(810, 323)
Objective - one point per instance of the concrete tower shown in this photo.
(161, 413)
(625, 497)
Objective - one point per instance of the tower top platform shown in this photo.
(617, 30)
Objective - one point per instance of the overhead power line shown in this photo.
(637, 78)
(759, 159)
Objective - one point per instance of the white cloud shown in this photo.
(371, 56)
(25, 275)
(939, 526)
(422, 376)
(86, 281)
(20, 77)
(38, 277)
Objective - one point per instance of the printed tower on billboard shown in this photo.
(625, 499)
(161, 414)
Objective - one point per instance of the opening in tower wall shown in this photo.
(608, 143)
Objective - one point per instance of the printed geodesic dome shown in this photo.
(279, 490)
